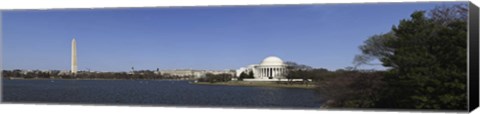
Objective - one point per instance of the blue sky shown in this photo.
(215, 38)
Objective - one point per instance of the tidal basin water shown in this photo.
(155, 93)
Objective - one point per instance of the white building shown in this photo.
(195, 73)
(271, 67)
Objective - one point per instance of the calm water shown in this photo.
(154, 92)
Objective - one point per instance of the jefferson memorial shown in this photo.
(271, 67)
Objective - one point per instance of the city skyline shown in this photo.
(209, 38)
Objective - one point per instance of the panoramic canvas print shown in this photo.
(309, 56)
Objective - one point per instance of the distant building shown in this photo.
(271, 67)
(178, 72)
(25, 72)
(194, 73)
(64, 72)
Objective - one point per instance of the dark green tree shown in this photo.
(427, 60)
(250, 74)
(242, 76)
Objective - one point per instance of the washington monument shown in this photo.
(74, 57)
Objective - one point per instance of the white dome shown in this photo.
(272, 60)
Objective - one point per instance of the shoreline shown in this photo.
(86, 79)
(229, 83)
(257, 84)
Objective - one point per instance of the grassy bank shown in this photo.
(259, 84)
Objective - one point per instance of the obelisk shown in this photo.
(74, 57)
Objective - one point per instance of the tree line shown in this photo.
(56, 74)
(212, 78)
